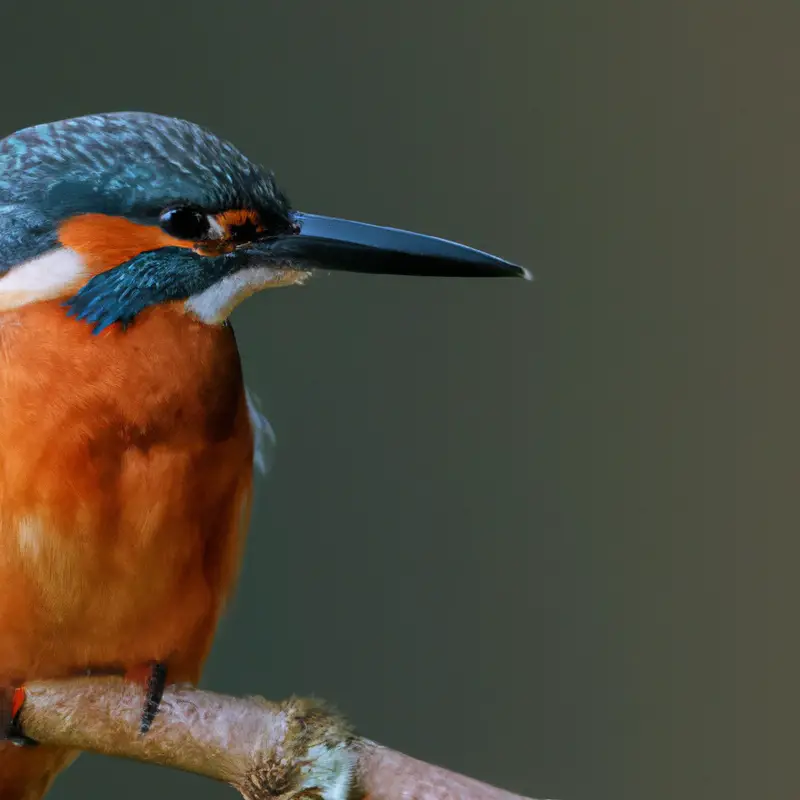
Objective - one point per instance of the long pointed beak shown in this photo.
(339, 244)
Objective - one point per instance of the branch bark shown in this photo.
(282, 751)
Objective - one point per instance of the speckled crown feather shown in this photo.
(130, 163)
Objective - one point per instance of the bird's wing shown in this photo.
(264, 440)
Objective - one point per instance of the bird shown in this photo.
(126, 429)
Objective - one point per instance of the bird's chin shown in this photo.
(216, 303)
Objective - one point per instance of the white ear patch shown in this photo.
(42, 278)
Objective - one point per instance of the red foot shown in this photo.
(10, 727)
(17, 700)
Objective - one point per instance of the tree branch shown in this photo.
(282, 751)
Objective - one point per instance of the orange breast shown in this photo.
(125, 480)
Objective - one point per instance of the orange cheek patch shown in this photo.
(240, 216)
(239, 225)
(105, 242)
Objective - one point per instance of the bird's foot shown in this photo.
(11, 702)
(153, 676)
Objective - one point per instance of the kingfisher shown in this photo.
(126, 431)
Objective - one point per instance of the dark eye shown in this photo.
(185, 222)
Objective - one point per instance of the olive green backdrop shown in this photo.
(543, 534)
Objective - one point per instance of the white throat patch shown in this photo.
(215, 304)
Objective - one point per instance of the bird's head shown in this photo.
(116, 213)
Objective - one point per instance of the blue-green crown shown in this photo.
(129, 164)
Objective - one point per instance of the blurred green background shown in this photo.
(542, 534)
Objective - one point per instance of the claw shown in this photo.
(154, 678)
(10, 726)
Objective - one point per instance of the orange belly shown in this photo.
(125, 482)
